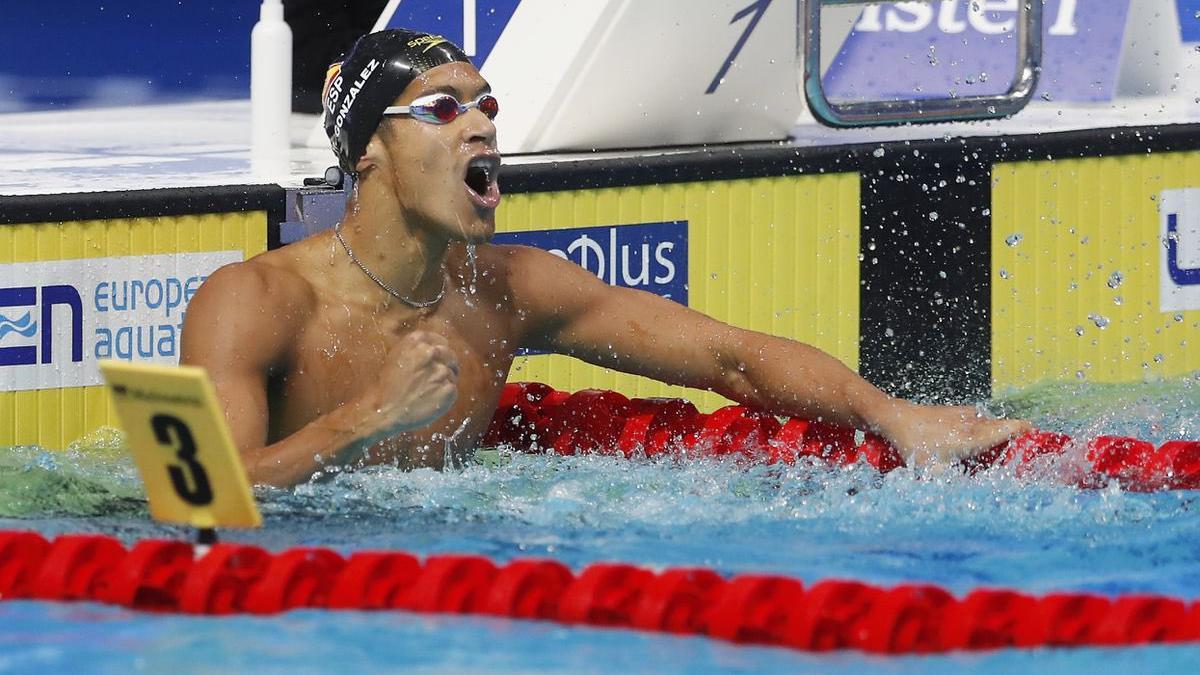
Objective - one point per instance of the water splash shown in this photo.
(1030, 531)
(98, 481)
(1155, 410)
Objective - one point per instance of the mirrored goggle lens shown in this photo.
(445, 109)
(488, 105)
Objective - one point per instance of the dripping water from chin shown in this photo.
(470, 281)
(470, 286)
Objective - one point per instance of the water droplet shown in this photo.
(1115, 279)
(879, 152)
(1004, 273)
(472, 263)
(933, 215)
(1013, 239)
(1100, 320)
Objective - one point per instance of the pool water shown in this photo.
(1031, 533)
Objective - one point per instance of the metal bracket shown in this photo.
(918, 111)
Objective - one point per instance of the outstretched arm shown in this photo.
(572, 312)
(240, 326)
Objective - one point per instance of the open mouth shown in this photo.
(481, 180)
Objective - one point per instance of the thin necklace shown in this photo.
(415, 304)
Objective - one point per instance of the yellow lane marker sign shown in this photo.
(176, 429)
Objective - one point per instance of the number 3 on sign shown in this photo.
(177, 432)
(190, 482)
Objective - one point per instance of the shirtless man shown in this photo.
(379, 343)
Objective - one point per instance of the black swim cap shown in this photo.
(370, 78)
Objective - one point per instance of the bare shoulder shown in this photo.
(532, 270)
(504, 255)
(256, 285)
(500, 258)
(541, 285)
(254, 308)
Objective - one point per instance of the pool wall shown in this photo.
(89, 276)
(943, 267)
(1086, 281)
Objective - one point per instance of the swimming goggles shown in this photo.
(444, 108)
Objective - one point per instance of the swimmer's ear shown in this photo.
(370, 157)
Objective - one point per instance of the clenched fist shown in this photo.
(418, 383)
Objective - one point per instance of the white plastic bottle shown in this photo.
(270, 93)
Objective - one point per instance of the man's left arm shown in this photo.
(572, 312)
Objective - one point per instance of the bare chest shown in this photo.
(342, 351)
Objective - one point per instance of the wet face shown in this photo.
(443, 175)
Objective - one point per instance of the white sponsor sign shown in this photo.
(59, 317)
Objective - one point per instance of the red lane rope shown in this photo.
(164, 576)
(534, 417)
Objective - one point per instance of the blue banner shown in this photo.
(647, 256)
(76, 53)
(967, 48)
(1189, 20)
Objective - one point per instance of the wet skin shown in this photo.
(316, 364)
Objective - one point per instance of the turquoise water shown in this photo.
(994, 530)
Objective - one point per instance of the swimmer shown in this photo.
(388, 339)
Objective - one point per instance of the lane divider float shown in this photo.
(194, 477)
(173, 576)
(534, 417)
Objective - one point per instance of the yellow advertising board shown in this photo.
(1089, 281)
(73, 293)
(778, 255)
